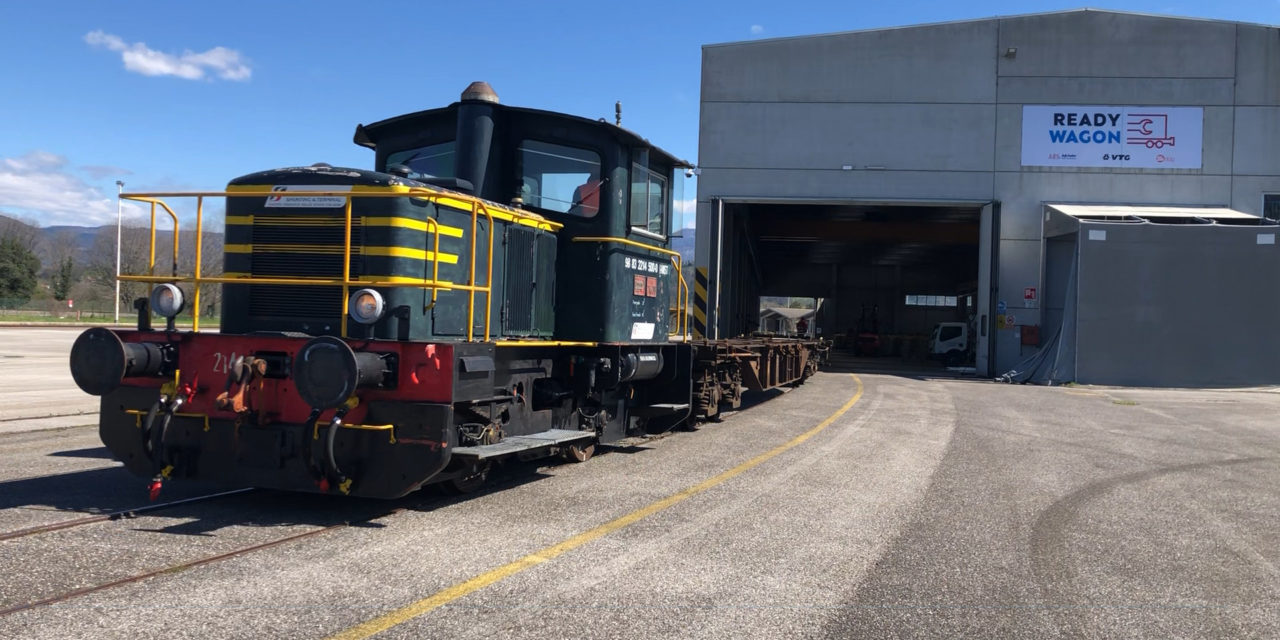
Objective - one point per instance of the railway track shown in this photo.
(508, 480)
(117, 515)
(63, 597)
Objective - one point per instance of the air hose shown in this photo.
(331, 461)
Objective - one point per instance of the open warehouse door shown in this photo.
(903, 282)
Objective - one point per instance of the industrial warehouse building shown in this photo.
(1089, 189)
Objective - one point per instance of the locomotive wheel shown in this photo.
(578, 452)
(470, 483)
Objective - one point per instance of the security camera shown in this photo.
(688, 173)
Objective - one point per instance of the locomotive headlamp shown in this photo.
(327, 371)
(366, 306)
(167, 300)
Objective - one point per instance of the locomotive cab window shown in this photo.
(432, 161)
(560, 178)
(649, 199)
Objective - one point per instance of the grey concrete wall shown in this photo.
(1177, 305)
(934, 112)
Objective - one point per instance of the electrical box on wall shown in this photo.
(1031, 335)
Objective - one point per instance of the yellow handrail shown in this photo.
(195, 317)
(346, 265)
(449, 199)
(682, 289)
(433, 228)
(476, 207)
(151, 264)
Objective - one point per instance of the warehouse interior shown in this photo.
(888, 271)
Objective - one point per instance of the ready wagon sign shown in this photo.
(1091, 136)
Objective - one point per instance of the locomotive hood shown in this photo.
(321, 173)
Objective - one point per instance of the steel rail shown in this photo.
(115, 515)
(171, 569)
(417, 503)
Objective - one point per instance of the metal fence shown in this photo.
(11, 308)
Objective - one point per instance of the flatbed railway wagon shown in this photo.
(502, 285)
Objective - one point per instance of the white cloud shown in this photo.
(38, 185)
(221, 62)
(757, 29)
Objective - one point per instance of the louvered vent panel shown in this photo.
(517, 316)
(305, 251)
(544, 287)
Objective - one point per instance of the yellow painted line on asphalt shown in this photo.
(441, 598)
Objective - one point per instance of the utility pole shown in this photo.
(119, 217)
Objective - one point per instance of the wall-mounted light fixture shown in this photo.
(1011, 52)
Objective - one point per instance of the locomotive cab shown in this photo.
(615, 278)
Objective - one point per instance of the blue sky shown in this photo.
(170, 95)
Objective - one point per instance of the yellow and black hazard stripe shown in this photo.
(337, 221)
(456, 201)
(323, 249)
(700, 303)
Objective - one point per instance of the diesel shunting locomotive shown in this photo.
(501, 285)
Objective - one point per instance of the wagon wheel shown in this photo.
(472, 482)
(578, 451)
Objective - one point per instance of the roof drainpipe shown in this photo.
(475, 134)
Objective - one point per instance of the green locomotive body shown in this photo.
(501, 285)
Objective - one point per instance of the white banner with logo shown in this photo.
(1093, 136)
(307, 202)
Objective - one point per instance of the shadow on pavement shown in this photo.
(90, 452)
(846, 362)
(113, 489)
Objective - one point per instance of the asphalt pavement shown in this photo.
(36, 388)
(855, 506)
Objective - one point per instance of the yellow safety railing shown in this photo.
(454, 200)
(682, 289)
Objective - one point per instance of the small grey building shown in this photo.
(930, 173)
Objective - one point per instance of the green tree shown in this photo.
(18, 268)
(63, 279)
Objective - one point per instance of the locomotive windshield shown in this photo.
(560, 178)
(432, 161)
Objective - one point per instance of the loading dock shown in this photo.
(890, 269)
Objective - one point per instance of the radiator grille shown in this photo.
(300, 251)
(521, 264)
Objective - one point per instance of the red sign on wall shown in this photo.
(1029, 293)
(651, 287)
(638, 285)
